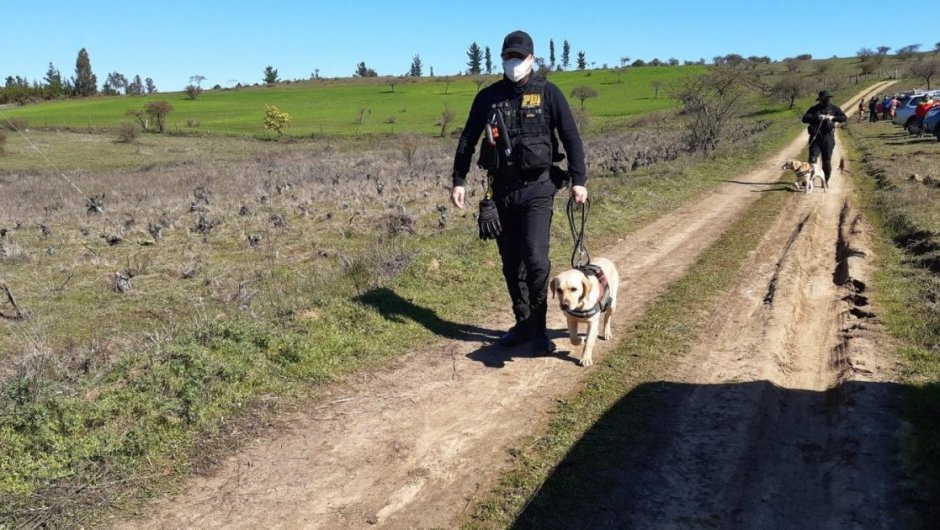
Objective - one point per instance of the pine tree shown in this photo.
(582, 60)
(475, 54)
(565, 54)
(85, 82)
(270, 75)
(551, 53)
(489, 61)
(53, 81)
(415, 70)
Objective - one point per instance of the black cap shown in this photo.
(519, 42)
(824, 94)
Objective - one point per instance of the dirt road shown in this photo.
(756, 437)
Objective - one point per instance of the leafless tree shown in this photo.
(158, 111)
(925, 69)
(709, 104)
(789, 88)
(583, 93)
(447, 116)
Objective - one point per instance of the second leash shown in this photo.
(579, 256)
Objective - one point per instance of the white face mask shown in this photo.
(517, 69)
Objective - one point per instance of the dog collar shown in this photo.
(587, 313)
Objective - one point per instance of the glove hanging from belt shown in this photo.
(489, 220)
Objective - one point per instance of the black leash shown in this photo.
(577, 233)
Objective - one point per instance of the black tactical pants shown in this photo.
(822, 146)
(525, 214)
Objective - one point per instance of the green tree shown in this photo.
(53, 81)
(85, 82)
(270, 75)
(135, 87)
(489, 61)
(565, 55)
(906, 53)
(363, 71)
(114, 83)
(415, 70)
(582, 60)
(551, 54)
(475, 56)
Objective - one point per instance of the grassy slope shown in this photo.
(332, 107)
(907, 222)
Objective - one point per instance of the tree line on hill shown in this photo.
(480, 61)
(19, 90)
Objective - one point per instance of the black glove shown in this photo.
(559, 177)
(489, 220)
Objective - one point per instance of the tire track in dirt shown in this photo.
(783, 415)
(414, 445)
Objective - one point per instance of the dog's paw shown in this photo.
(606, 336)
(587, 361)
(576, 341)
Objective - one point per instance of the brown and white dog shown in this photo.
(806, 173)
(584, 298)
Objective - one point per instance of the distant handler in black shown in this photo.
(822, 118)
(525, 111)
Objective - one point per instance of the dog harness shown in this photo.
(603, 301)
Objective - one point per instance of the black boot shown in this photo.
(541, 344)
(517, 335)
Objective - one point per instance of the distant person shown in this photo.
(885, 108)
(893, 106)
(822, 119)
(920, 112)
(526, 112)
(873, 109)
(861, 110)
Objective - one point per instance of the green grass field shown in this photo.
(333, 107)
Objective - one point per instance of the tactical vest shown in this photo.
(528, 132)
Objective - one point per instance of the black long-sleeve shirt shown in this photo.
(555, 107)
(817, 127)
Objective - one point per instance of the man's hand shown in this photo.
(457, 196)
(579, 194)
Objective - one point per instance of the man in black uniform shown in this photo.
(822, 118)
(520, 114)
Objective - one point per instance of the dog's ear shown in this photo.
(585, 288)
(552, 286)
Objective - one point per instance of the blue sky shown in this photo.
(233, 41)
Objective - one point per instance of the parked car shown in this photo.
(932, 122)
(905, 113)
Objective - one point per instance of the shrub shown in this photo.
(16, 124)
(158, 111)
(127, 133)
(275, 119)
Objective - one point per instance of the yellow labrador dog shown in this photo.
(806, 173)
(585, 294)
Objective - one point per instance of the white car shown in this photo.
(905, 113)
